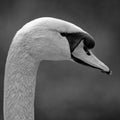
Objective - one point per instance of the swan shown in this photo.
(44, 38)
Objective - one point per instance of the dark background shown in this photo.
(66, 90)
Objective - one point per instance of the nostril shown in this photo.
(88, 53)
(86, 50)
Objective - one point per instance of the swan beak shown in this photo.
(80, 56)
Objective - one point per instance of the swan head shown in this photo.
(54, 39)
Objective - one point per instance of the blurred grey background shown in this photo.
(66, 90)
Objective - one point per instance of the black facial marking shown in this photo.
(89, 42)
(75, 38)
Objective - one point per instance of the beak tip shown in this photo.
(107, 72)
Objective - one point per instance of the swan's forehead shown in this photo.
(53, 24)
(62, 26)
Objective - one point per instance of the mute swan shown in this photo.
(41, 39)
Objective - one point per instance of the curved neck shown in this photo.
(19, 85)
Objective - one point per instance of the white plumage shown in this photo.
(41, 39)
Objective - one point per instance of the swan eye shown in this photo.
(86, 50)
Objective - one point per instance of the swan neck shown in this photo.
(19, 85)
